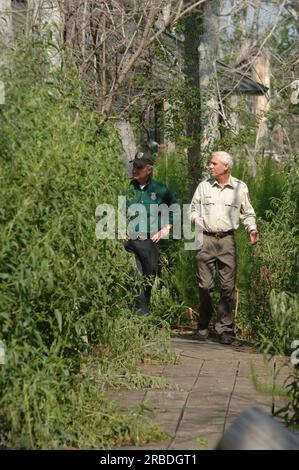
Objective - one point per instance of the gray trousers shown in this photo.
(220, 253)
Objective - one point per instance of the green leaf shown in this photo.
(59, 319)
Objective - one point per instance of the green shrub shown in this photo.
(46, 406)
(275, 261)
(284, 319)
(58, 283)
(290, 412)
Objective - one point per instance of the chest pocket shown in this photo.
(207, 205)
(232, 203)
(231, 206)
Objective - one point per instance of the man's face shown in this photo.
(217, 167)
(141, 173)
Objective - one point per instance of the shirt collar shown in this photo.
(229, 183)
(137, 185)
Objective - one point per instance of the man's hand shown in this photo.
(198, 221)
(125, 237)
(163, 233)
(254, 237)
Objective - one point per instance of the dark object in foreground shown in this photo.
(255, 430)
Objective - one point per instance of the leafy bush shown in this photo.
(275, 262)
(59, 284)
(56, 275)
(44, 405)
(290, 412)
(284, 318)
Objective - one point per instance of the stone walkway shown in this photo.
(210, 387)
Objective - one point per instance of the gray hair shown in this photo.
(225, 158)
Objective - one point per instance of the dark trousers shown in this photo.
(146, 254)
(220, 253)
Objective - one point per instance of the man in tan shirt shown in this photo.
(218, 205)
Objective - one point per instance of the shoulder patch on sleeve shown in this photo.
(240, 182)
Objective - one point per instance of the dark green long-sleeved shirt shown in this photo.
(153, 193)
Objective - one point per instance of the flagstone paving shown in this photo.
(209, 388)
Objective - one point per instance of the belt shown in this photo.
(219, 234)
(142, 236)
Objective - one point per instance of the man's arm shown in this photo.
(195, 208)
(168, 199)
(248, 217)
(163, 233)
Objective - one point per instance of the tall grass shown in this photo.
(178, 289)
(275, 268)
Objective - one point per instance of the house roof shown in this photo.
(233, 81)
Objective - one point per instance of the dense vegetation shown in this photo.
(65, 314)
(66, 298)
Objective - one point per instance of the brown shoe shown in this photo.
(202, 335)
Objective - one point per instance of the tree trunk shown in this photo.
(261, 104)
(5, 23)
(201, 48)
(256, 20)
(208, 52)
(128, 142)
(46, 16)
(193, 25)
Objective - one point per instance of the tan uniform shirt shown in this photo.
(222, 208)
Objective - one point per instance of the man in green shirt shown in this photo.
(144, 234)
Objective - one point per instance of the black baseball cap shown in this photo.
(142, 159)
